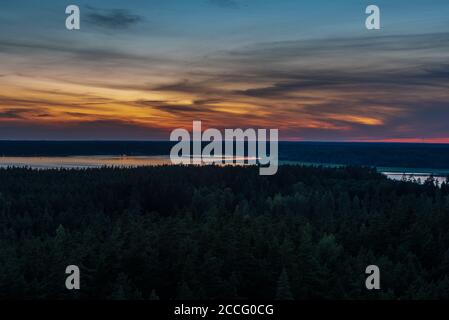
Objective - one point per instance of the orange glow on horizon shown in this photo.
(125, 103)
(407, 140)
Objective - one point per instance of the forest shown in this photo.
(182, 233)
(410, 155)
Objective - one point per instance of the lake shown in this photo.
(80, 162)
(416, 177)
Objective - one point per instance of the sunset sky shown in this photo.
(138, 69)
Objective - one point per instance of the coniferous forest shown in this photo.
(221, 233)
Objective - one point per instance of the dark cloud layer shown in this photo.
(87, 130)
(330, 89)
(115, 19)
(13, 113)
(434, 76)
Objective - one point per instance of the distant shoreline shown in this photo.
(122, 161)
(416, 156)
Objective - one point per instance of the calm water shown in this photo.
(78, 162)
(417, 177)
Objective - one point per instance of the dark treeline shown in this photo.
(211, 232)
(411, 155)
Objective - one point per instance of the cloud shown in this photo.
(85, 130)
(333, 79)
(27, 105)
(330, 89)
(344, 48)
(77, 54)
(199, 109)
(13, 113)
(279, 69)
(191, 86)
(116, 19)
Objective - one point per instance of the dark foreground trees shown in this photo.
(186, 233)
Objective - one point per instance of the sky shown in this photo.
(136, 70)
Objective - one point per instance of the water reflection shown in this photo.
(74, 162)
(414, 177)
(79, 162)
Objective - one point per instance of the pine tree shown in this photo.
(124, 289)
(153, 295)
(283, 291)
(184, 292)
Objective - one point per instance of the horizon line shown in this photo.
(386, 141)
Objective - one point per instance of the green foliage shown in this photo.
(283, 291)
(221, 232)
